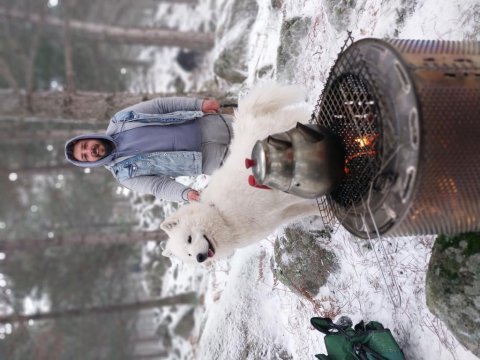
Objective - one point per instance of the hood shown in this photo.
(86, 164)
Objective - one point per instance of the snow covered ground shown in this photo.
(246, 312)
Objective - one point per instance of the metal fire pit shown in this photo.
(408, 115)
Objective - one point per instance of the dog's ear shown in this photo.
(167, 253)
(168, 224)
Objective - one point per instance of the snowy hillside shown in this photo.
(247, 313)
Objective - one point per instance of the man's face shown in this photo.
(89, 150)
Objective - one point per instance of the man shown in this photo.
(148, 144)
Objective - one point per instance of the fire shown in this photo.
(366, 146)
(365, 141)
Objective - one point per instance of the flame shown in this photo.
(366, 144)
(365, 141)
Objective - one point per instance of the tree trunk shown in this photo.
(158, 355)
(185, 298)
(180, 1)
(138, 36)
(22, 122)
(13, 137)
(75, 239)
(147, 339)
(68, 52)
(15, 129)
(7, 74)
(30, 58)
(41, 170)
(84, 105)
(134, 63)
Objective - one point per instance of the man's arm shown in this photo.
(162, 187)
(166, 105)
(172, 104)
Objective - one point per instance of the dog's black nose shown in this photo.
(201, 257)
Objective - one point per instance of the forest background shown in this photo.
(70, 244)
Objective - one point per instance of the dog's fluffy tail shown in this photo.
(269, 97)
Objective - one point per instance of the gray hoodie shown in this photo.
(157, 140)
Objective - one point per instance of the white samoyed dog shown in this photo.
(231, 213)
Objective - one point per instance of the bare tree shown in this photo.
(30, 60)
(6, 72)
(139, 36)
(26, 58)
(68, 52)
(13, 137)
(185, 298)
(193, 2)
(156, 355)
(41, 170)
(82, 239)
(82, 105)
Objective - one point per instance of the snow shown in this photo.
(444, 20)
(246, 313)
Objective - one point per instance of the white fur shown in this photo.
(231, 213)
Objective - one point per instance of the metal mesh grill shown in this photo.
(406, 112)
(351, 110)
(351, 113)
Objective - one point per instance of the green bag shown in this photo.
(364, 342)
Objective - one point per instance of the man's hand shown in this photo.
(193, 195)
(210, 106)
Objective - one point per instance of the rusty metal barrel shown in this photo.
(408, 115)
